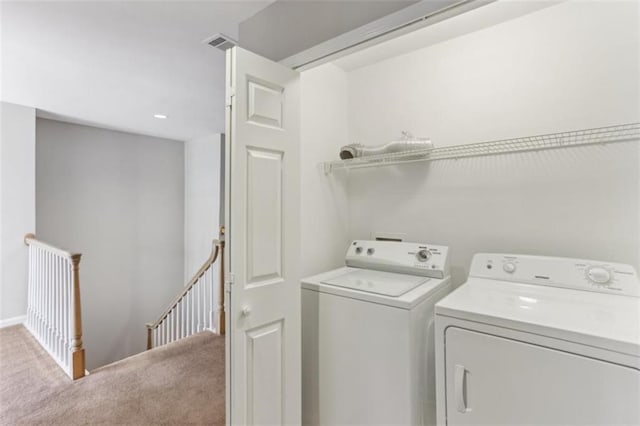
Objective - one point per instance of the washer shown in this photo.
(367, 336)
(540, 340)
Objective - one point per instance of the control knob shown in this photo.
(423, 255)
(598, 275)
(509, 267)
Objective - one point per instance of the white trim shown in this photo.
(411, 18)
(12, 321)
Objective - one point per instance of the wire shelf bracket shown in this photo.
(599, 135)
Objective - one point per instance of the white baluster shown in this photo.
(37, 304)
(36, 285)
(198, 290)
(203, 295)
(192, 310)
(47, 290)
(43, 294)
(183, 317)
(205, 305)
(54, 277)
(39, 284)
(29, 288)
(192, 315)
(49, 299)
(59, 306)
(67, 311)
(165, 332)
(212, 299)
(172, 327)
(179, 320)
(205, 283)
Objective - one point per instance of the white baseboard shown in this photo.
(12, 321)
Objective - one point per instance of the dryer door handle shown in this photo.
(460, 388)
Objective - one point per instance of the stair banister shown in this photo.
(54, 314)
(192, 310)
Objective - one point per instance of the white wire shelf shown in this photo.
(600, 135)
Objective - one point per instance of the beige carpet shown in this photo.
(176, 384)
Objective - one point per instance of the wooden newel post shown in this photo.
(149, 331)
(77, 351)
(221, 321)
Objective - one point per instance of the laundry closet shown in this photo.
(488, 88)
(533, 110)
(505, 70)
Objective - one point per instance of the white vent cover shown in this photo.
(220, 41)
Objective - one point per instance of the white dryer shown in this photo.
(540, 341)
(367, 336)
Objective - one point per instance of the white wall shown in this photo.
(324, 206)
(117, 198)
(17, 204)
(202, 163)
(570, 66)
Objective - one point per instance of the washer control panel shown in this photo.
(604, 277)
(409, 258)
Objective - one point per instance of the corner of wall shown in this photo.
(17, 204)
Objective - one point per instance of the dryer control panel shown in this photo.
(406, 258)
(578, 274)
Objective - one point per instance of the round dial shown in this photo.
(509, 267)
(598, 275)
(423, 255)
(358, 250)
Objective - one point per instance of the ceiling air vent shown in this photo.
(220, 41)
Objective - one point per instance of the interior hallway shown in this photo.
(179, 383)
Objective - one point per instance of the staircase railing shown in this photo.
(53, 304)
(193, 309)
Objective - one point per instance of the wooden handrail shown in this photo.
(77, 355)
(218, 247)
(30, 240)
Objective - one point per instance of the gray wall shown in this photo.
(118, 199)
(17, 204)
(202, 200)
(289, 27)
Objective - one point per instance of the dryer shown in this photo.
(367, 336)
(540, 340)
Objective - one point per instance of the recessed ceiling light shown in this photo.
(160, 116)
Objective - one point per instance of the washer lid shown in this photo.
(378, 282)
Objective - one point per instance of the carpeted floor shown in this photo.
(177, 384)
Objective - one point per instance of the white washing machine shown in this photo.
(540, 341)
(367, 336)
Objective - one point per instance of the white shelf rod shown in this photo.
(600, 135)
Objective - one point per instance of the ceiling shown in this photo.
(115, 64)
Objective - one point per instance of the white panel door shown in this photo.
(497, 381)
(262, 223)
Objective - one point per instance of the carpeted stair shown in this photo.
(177, 384)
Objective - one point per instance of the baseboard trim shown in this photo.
(12, 321)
